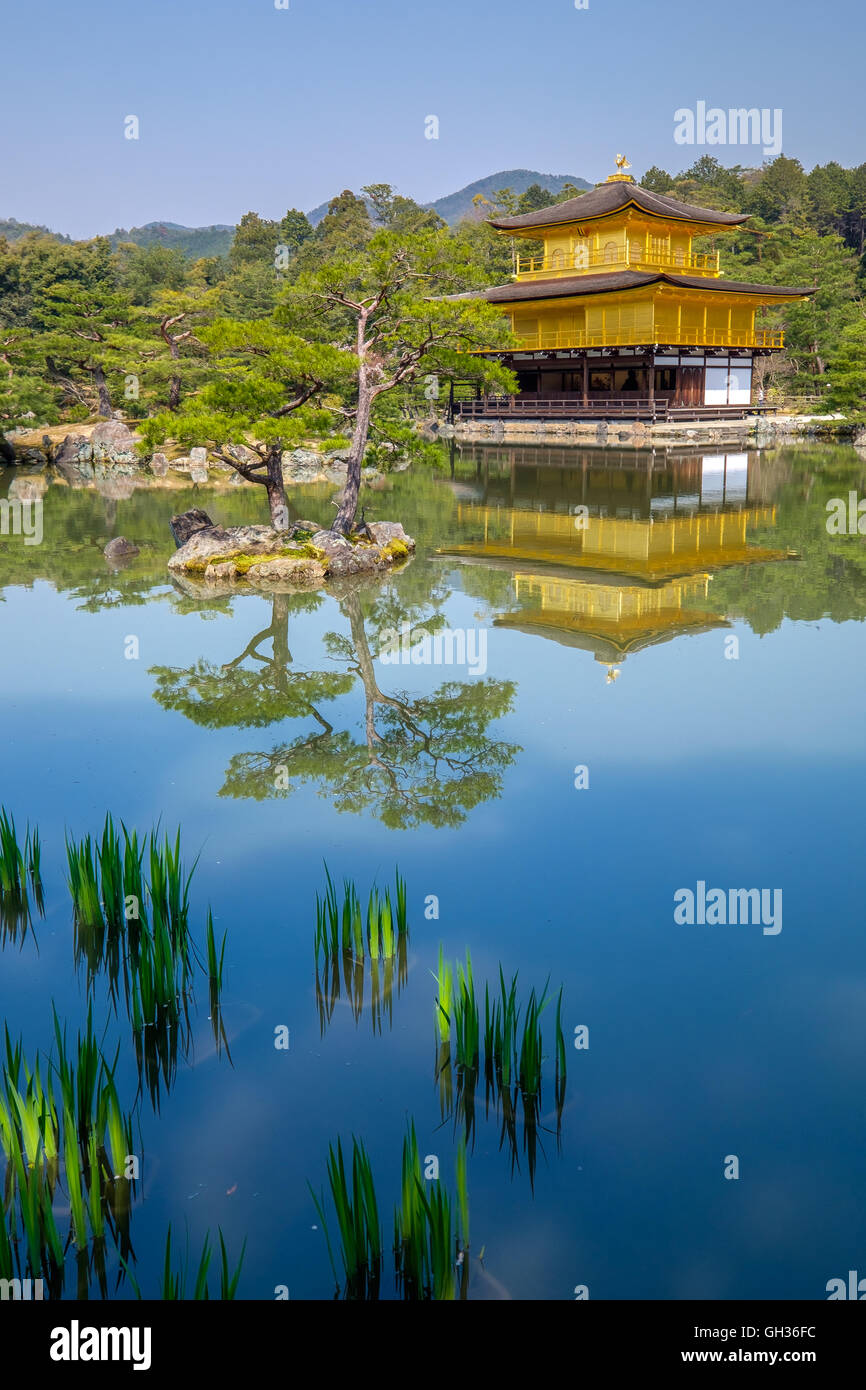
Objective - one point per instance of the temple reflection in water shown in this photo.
(610, 551)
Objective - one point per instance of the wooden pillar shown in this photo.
(651, 382)
(585, 380)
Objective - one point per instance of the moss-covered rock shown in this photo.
(395, 550)
(258, 555)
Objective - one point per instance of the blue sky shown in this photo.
(243, 106)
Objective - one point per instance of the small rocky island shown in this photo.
(304, 556)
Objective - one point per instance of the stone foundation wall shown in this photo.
(756, 430)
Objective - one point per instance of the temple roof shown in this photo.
(609, 642)
(613, 569)
(611, 197)
(571, 285)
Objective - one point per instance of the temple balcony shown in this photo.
(682, 337)
(615, 257)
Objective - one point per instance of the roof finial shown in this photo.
(621, 176)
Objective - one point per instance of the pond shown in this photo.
(606, 678)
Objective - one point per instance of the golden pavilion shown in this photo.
(619, 316)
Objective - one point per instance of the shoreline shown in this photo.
(304, 466)
(760, 431)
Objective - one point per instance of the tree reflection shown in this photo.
(421, 759)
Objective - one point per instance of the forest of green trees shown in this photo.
(215, 344)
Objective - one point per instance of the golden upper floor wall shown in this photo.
(629, 242)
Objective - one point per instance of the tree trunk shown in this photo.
(102, 392)
(276, 489)
(174, 382)
(279, 632)
(345, 518)
(372, 695)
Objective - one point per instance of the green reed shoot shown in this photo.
(84, 1127)
(345, 939)
(84, 886)
(74, 1185)
(559, 1085)
(7, 1262)
(430, 1243)
(214, 959)
(445, 1002)
(341, 926)
(131, 901)
(513, 1051)
(109, 890)
(176, 1281)
(358, 1223)
(466, 1018)
(18, 866)
(430, 1240)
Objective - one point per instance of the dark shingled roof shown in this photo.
(577, 285)
(610, 197)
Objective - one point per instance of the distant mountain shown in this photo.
(457, 205)
(12, 229)
(195, 242)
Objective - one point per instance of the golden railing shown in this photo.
(690, 337)
(705, 262)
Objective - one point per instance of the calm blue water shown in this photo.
(739, 770)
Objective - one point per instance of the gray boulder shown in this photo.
(225, 569)
(159, 465)
(383, 532)
(73, 452)
(209, 543)
(112, 442)
(120, 549)
(286, 569)
(187, 523)
(341, 558)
